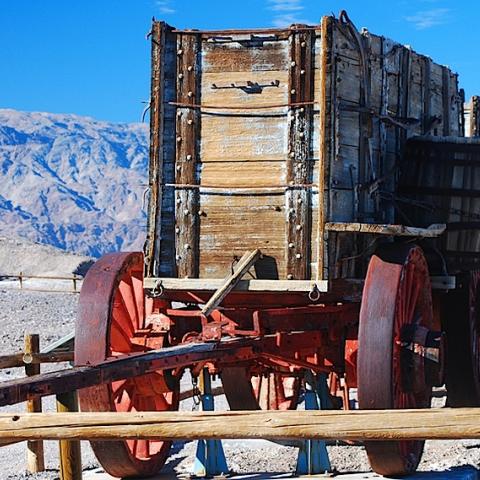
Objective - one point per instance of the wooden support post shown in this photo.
(35, 458)
(70, 453)
(74, 282)
(20, 279)
(243, 266)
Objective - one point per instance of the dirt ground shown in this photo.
(52, 315)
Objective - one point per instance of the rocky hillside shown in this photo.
(73, 182)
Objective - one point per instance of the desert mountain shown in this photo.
(73, 182)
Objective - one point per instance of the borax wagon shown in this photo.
(313, 210)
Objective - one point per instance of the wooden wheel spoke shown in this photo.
(129, 303)
(120, 340)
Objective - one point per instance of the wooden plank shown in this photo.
(156, 142)
(205, 284)
(394, 230)
(70, 453)
(35, 456)
(437, 424)
(187, 156)
(243, 266)
(299, 168)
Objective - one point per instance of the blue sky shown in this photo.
(90, 57)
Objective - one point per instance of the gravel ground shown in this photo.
(52, 315)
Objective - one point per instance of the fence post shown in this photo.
(20, 279)
(70, 453)
(35, 458)
(74, 282)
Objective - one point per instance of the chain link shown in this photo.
(197, 395)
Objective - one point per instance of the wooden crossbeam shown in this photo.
(62, 381)
(439, 424)
(243, 266)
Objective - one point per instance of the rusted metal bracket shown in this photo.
(298, 164)
(248, 87)
(186, 158)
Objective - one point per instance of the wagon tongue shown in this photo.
(421, 356)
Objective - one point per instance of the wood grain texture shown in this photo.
(438, 424)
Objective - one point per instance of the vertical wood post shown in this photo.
(20, 279)
(70, 453)
(74, 282)
(35, 458)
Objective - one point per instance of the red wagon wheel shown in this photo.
(462, 325)
(273, 391)
(112, 311)
(396, 297)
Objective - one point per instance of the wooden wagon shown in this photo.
(336, 159)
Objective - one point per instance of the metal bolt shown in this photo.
(178, 257)
(180, 52)
(298, 255)
(293, 63)
(303, 44)
(179, 113)
(292, 154)
(186, 212)
(179, 201)
(299, 200)
(180, 76)
(190, 94)
(189, 68)
(298, 228)
(189, 157)
(201, 213)
(302, 72)
(177, 230)
(179, 167)
(179, 139)
(301, 134)
(291, 210)
(290, 276)
(186, 246)
(190, 121)
(291, 245)
(293, 91)
(302, 110)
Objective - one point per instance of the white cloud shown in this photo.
(287, 12)
(285, 5)
(429, 18)
(163, 6)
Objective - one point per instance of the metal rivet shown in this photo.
(189, 68)
(178, 257)
(190, 94)
(292, 154)
(298, 255)
(179, 201)
(177, 230)
(179, 167)
(179, 139)
(302, 110)
(179, 113)
(293, 63)
(291, 245)
(299, 200)
(190, 121)
(180, 76)
(291, 210)
(180, 52)
(186, 212)
(290, 276)
(298, 227)
(303, 44)
(302, 72)
(189, 157)
(201, 213)
(301, 134)
(293, 91)
(186, 246)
